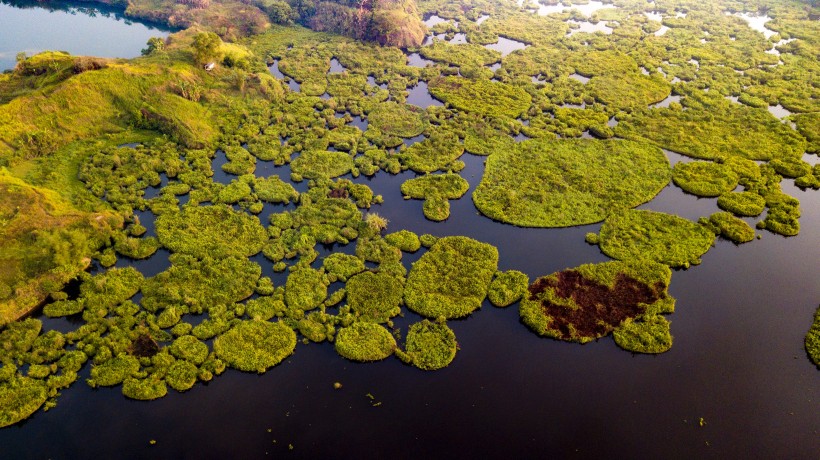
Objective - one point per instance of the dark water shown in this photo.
(93, 29)
(737, 362)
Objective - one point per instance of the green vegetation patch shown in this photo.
(374, 297)
(189, 348)
(656, 236)
(452, 278)
(649, 335)
(114, 371)
(255, 346)
(461, 55)
(813, 340)
(305, 288)
(704, 178)
(436, 190)
(401, 120)
(430, 346)
(629, 90)
(484, 97)
(319, 164)
(211, 231)
(20, 397)
(146, 389)
(182, 375)
(342, 266)
(508, 287)
(592, 300)
(364, 341)
(566, 182)
(438, 152)
(746, 204)
(730, 227)
(274, 190)
(405, 240)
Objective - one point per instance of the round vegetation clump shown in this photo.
(255, 346)
(730, 227)
(592, 300)
(322, 164)
(813, 340)
(704, 178)
(343, 266)
(363, 341)
(656, 236)
(649, 335)
(435, 190)
(452, 278)
(430, 345)
(182, 375)
(405, 240)
(566, 182)
(483, 97)
(189, 348)
(374, 297)
(747, 204)
(507, 288)
(211, 232)
(146, 389)
(20, 397)
(398, 120)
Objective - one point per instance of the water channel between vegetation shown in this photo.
(736, 376)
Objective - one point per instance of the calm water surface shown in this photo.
(738, 362)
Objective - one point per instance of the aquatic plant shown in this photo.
(560, 183)
(364, 341)
(429, 346)
(305, 288)
(374, 297)
(189, 348)
(482, 97)
(451, 279)
(20, 397)
(746, 204)
(405, 240)
(507, 288)
(318, 164)
(437, 152)
(255, 346)
(730, 227)
(398, 120)
(592, 300)
(211, 231)
(146, 389)
(704, 178)
(648, 335)
(435, 190)
(656, 236)
(812, 341)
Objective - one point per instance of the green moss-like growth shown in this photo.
(146, 389)
(228, 280)
(114, 371)
(730, 227)
(460, 55)
(265, 308)
(650, 335)
(508, 287)
(182, 375)
(189, 348)
(438, 152)
(363, 341)
(305, 288)
(211, 231)
(398, 120)
(452, 278)
(319, 164)
(567, 182)
(20, 397)
(483, 97)
(405, 240)
(812, 341)
(742, 203)
(374, 297)
(782, 217)
(255, 346)
(656, 236)
(343, 266)
(430, 346)
(628, 90)
(275, 190)
(436, 190)
(592, 300)
(704, 178)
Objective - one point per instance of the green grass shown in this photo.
(255, 346)
(20, 397)
(451, 279)
(437, 152)
(704, 178)
(211, 231)
(374, 297)
(436, 190)
(561, 183)
(650, 335)
(508, 287)
(397, 120)
(745, 204)
(430, 346)
(656, 236)
(482, 97)
(319, 164)
(730, 227)
(363, 342)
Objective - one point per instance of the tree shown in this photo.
(207, 47)
(155, 45)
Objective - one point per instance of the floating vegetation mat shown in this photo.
(561, 183)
